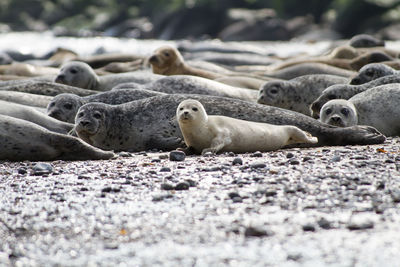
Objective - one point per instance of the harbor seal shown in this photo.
(151, 123)
(33, 100)
(80, 74)
(187, 84)
(370, 110)
(211, 133)
(346, 91)
(297, 94)
(64, 107)
(31, 114)
(339, 112)
(371, 72)
(23, 140)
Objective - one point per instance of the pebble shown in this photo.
(360, 223)
(294, 162)
(256, 154)
(289, 155)
(324, 224)
(125, 154)
(253, 231)
(22, 170)
(177, 155)
(167, 186)
(182, 186)
(237, 161)
(258, 165)
(165, 169)
(161, 197)
(191, 182)
(308, 227)
(395, 194)
(42, 168)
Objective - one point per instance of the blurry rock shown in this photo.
(177, 156)
(132, 28)
(42, 168)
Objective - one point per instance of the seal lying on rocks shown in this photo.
(80, 74)
(339, 112)
(371, 72)
(210, 133)
(23, 140)
(187, 84)
(64, 107)
(31, 114)
(297, 94)
(151, 123)
(377, 107)
(345, 91)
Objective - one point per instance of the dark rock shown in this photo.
(191, 182)
(233, 195)
(324, 224)
(22, 170)
(294, 162)
(166, 186)
(42, 168)
(289, 155)
(359, 223)
(395, 194)
(256, 155)
(156, 160)
(177, 155)
(258, 165)
(237, 161)
(165, 169)
(182, 186)
(253, 231)
(125, 154)
(161, 197)
(308, 227)
(270, 192)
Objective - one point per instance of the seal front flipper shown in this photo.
(161, 142)
(358, 135)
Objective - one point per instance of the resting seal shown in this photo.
(297, 94)
(187, 84)
(23, 140)
(371, 72)
(339, 112)
(151, 123)
(345, 91)
(33, 100)
(80, 74)
(64, 107)
(210, 133)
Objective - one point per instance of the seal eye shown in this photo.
(328, 111)
(195, 109)
(166, 54)
(73, 71)
(331, 96)
(68, 106)
(181, 109)
(369, 73)
(344, 111)
(52, 104)
(97, 115)
(80, 114)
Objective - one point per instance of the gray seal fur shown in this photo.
(23, 140)
(297, 94)
(371, 72)
(28, 99)
(151, 123)
(64, 107)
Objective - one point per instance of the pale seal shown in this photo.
(151, 123)
(64, 107)
(23, 140)
(339, 112)
(371, 72)
(80, 74)
(297, 94)
(31, 114)
(377, 107)
(211, 133)
(346, 91)
(187, 84)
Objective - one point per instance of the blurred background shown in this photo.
(229, 20)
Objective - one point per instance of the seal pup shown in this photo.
(346, 91)
(23, 140)
(64, 107)
(339, 112)
(187, 84)
(151, 123)
(211, 133)
(297, 94)
(31, 114)
(80, 74)
(371, 72)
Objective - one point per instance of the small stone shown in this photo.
(182, 186)
(360, 223)
(252, 231)
(165, 169)
(289, 155)
(237, 161)
(125, 154)
(324, 224)
(42, 168)
(233, 195)
(156, 160)
(307, 158)
(208, 154)
(294, 162)
(395, 194)
(166, 186)
(270, 192)
(161, 197)
(177, 155)
(191, 182)
(258, 165)
(308, 227)
(294, 257)
(163, 156)
(335, 158)
(256, 154)
(107, 189)
(22, 170)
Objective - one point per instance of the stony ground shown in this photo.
(330, 206)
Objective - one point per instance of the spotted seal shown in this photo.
(371, 72)
(297, 94)
(339, 112)
(23, 140)
(64, 107)
(151, 123)
(211, 133)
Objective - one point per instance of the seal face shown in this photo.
(64, 107)
(371, 72)
(78, 74)
(90, 121)
(339, 112)
(203, 133)
(165, 59)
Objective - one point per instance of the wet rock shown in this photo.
(42, 168)
(165, 169)
(308, 227)
(294, 162)
(256, 154)
(237, 161)
(253, 231)
(167, 186)
(294, 257)
(233, 195)
(177, 156)
(110, 189)
(289, 155)
(22, 170)
(182, 186)
(156, 160)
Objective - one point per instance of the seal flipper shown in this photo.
(358, 135)
(162, 142)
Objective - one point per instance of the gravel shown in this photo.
(330, 206)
